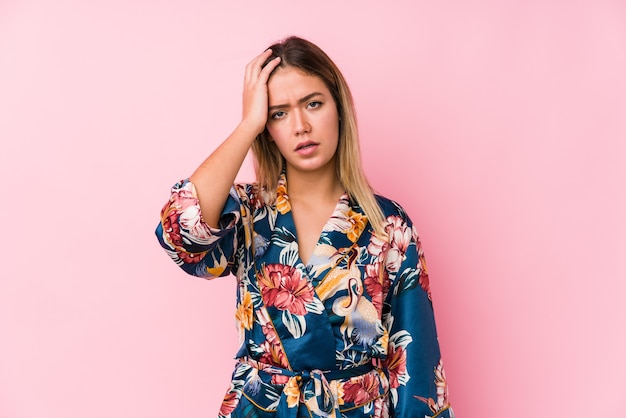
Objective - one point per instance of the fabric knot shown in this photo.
(306, 375)
(311, 388)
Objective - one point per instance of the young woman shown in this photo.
(333, 305)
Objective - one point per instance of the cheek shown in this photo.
(277, 136)
(332, 124)
(273, 132)
(330, 119)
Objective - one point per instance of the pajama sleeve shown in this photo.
(417, 380)
(196, 247)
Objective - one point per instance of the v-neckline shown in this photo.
(285, 204)
(318, 261)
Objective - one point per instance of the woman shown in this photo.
(333, 306)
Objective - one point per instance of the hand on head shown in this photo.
(255, 97)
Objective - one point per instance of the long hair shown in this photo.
(307, 57)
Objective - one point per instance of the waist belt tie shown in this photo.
(311, 388)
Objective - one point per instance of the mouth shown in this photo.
(306, 145)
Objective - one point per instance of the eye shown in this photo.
(314, 104)
(277, 115)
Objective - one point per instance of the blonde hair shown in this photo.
(269, 163)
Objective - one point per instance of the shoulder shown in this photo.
(391, 208)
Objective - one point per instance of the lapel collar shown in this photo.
(285, 248)
(338, 239)
(345, 226)
(339, 235)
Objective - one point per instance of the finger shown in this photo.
(254, 67)
(265, 73)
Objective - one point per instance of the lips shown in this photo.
(306, 148)
(303, 146)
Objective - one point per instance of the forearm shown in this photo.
(217, 173)
(215, 176)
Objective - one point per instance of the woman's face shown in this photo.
(302, 120)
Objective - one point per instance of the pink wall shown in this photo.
(500, 125)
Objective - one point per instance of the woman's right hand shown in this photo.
(255, 96)
(215, 176)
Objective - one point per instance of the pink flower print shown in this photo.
(392, 249)
(381, 407)
(424, 281)
(442, 386)
(376, 284)
(230, 403)
(273, 353)
(396, 364)
(284, 288)
(172, 233)
(442, 391)
(399, 232)
(361, 390)
(378, 246)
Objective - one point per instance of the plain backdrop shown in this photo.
(499, 125)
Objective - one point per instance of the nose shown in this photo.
(300, 122)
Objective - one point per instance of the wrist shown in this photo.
(250, 129)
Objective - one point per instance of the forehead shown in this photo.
(288, 83)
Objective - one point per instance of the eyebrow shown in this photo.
(300, 101)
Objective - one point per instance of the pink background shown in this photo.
(499, 125)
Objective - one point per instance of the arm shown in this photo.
(215, 176)
(196, 247)
(198, 223)
(417, 380)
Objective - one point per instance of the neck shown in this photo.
(314, 186)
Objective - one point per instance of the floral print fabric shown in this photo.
(350, 334)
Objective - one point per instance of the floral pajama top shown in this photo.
(351, 334)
